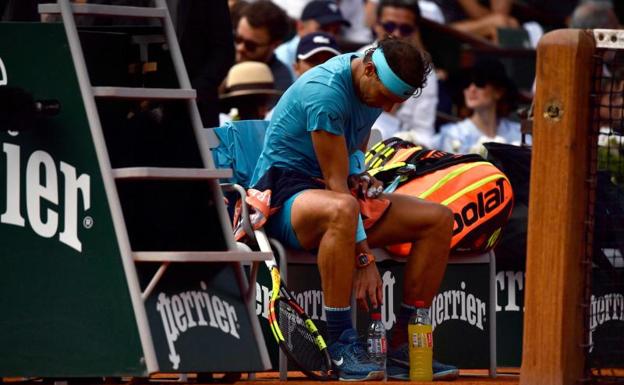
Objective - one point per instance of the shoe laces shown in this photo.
(359, 350)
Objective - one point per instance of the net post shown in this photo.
(553, 322)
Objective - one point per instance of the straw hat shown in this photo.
(249, 78)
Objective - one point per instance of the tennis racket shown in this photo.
(292, 328)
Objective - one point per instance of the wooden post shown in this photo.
(553, 320)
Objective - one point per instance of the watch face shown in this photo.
(363, 259)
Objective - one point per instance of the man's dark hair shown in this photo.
(407, 61)
(265, 14)
(236, 11)
(410, 5)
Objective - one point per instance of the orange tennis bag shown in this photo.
(477, 192)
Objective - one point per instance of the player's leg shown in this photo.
(326, 221)
(429, 227)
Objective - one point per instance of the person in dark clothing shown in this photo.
(205, 35)
(262, 27)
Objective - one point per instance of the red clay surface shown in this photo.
(505, 376)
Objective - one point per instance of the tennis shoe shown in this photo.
(351, 361)
(398, 366)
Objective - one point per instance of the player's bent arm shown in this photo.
(331, 153)
(333, 157)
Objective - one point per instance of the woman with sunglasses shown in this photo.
(490, 95)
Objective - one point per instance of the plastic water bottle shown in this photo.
(420, 339)
(376, 339)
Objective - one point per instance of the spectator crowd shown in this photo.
(469, 98)
(462, 105)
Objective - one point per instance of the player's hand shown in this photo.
(367, 186)
(367, 285)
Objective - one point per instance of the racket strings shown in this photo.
(298, 339)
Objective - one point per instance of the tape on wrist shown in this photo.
(360, 233)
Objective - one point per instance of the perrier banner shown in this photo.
(64, 300)
(69, 305)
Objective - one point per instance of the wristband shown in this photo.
(360, 233)
(356, 163)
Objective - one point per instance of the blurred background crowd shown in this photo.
(241, 55)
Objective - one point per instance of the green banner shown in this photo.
(459, 312)
(199, 321)
(64, 300)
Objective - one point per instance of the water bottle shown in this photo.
(420, 339)
(376, 338)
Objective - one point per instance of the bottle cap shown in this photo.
(419, 303)
(376, 316)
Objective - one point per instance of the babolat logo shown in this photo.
(190, 309)
(40, 179)
(605, 308)
(458, 305)
(473, 211)
(4, 80)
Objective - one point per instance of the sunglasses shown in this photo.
(478, 84)
(479, 81)
(404, 29)
(249, 45)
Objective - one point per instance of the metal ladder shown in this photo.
(89, 93)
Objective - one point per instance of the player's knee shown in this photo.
(344, 209)
(444, 218)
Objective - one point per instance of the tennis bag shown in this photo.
(477, 192)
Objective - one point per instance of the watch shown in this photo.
(363, 260)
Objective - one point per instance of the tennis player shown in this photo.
(318, 131)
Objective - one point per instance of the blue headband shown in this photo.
(388, 78)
